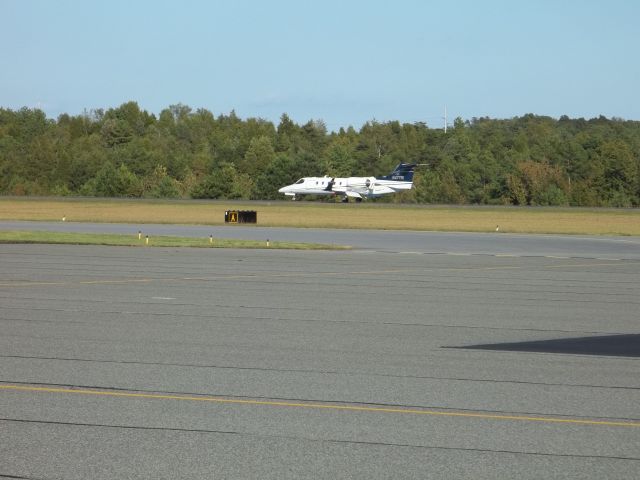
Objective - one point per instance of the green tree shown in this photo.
(159, 184)
(338, 159)
(620, 174)
(281, 171)
(529, 160)
(259, 154)
(113, 182)
(218, 184)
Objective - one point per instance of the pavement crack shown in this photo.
(318, 440)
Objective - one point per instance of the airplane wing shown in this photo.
(382, 189)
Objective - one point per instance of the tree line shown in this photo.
(182, 153)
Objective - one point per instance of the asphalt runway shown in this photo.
(392, 241)
(156, 363)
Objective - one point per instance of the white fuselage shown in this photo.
(309, 186)
(356, 187)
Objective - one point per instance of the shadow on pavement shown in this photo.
(611, 345)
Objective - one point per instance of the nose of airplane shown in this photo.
(284, 189)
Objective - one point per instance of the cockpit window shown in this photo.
(300, 181)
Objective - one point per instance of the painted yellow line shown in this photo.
(102, 282)
(29, 284)
(349, 408)
(80, 282)
(513, 267)
(204, 279)
(617, 264)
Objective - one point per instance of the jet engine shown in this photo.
(370, 183)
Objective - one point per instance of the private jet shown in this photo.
(354, 187)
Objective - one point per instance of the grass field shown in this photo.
(330, 215)
(159, 241)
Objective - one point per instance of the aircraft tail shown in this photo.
(403, 173)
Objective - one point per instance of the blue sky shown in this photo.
(345, 62)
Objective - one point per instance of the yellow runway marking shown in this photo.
(617, 264)
(506, 267)
(203, 279)
(80, 282)
(286, 275)
(347, 408)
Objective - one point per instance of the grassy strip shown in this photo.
(331, 215)
(159, 241)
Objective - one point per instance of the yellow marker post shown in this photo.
(210, 238)
(146, 240)
(139, 234)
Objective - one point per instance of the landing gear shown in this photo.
(345, 199)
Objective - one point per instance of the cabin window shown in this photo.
(300, 181)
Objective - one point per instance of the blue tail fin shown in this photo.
(403, 173)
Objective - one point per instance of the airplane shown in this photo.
(354, 187)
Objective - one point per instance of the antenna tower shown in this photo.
(445, 119)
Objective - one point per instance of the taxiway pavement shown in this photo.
(207, 363)
(607, 247)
